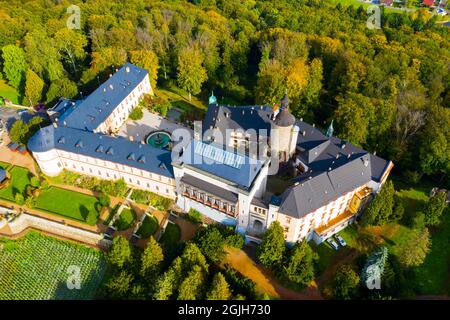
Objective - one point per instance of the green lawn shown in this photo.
(126, 219)
(148, 227)
(171, 235)
(8, 92)
(432, 277)
(4, 165)
(20, 178)
(69, 204)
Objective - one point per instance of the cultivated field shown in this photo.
(38, 267)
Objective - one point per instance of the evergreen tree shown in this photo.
(151, 259)
(434, 209)
(33, 88)
(191, 288)
(380, 210)
(271, 250)
(345, 283)
(120, 253)
(119, 285)
(414, 252)
(300, 264)
(220, 290)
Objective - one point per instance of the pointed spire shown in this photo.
(330, 130)
(212, 98)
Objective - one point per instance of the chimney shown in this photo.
(127, 69)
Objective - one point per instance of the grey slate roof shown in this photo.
(242, 117)
(334, 165)
(242, 176)
(94, 109)
(103, 147)
(210, 188)
(2, 175)
(335, 168)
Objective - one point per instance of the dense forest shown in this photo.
(388, 89)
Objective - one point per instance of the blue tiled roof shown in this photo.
(242, 175)
(94, 110)
(2, 175)
(104, 147)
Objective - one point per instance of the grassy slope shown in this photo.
(432, 277)
(20, 179)
(67, 203)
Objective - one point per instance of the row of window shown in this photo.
(115, 177)
(115, 166)
(209, 200)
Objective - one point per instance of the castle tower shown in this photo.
(284, 134)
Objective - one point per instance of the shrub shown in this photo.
(235, 240)
(19, 198)
(194, 216)
(136, 114)
(104, 200)
(35, 183)
(240, 284)
(412, 177)
(418, 221)
(45, 185)
(30, 202)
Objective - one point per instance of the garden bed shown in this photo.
(171, 235)
(148, 227)
(20, 178)
(126, 219)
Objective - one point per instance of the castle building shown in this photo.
(218, 173)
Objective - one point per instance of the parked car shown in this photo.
(441, 11)
(333, 243)
(340, 240)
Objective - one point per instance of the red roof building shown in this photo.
(428, 3)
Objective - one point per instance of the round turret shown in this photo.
(284, 118)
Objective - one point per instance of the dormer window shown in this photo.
(100, 149)
(79, 144)
(131, 156)
(141, 159)
(62, 140)
(110, 151)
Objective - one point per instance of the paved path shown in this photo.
(245, 262)
(139, 129)
(16, 158)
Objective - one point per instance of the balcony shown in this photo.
(208, 204)
(334, 223)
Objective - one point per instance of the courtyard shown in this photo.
(150, 122)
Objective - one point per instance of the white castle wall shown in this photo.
(25, 220)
